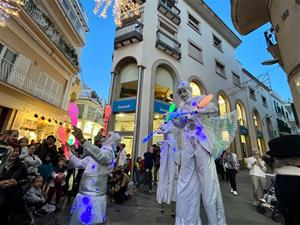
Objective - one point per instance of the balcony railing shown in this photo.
(168, 8)
(19, 79)
(168, 44)
(51, 30)
(128, 34)
(66, 5)
(272, 45)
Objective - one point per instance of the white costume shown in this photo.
(168, 170)
(89, 206)
(198, 175)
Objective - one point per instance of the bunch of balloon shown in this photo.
(63, 139)
(107, 112)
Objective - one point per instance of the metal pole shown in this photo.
(137, 119)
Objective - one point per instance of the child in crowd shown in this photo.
(59, 174)
(32, 161)
(45, 171)
(23, 142)
(35, 198)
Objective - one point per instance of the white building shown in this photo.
(173, 40)
(91, 110)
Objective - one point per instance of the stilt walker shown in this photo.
(204, 138)
(168, 170)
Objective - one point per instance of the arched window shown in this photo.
(196, 90)
(163, 85)
(256, 120)
(223, 105)
(129, 81)
(259, 134)
(241, 114)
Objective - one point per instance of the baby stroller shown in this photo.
(269, 204)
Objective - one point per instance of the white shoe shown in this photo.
(231, 190)
(235, 193)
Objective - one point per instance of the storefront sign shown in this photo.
(243, 130)
(161, 107)
(124, 105)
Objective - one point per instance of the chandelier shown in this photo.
(8, 8)
(121, 9)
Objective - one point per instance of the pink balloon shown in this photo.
(107, 113)
(63, 138)
(73, 113)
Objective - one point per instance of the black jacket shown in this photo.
(148, 160)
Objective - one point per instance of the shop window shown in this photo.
(163, 85)
(195, 52)
(81, 110)
(264, 101)
(196, 91)
(124, 122)
(217, 43)
(223, 105)
(91, 114)
(129, 81)
(220, 69)
(158, 120)
(193, 22)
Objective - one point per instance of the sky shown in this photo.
(96, 56)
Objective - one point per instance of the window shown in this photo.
(7, 59)
(91, 114)
(81, 110)
(217, 43)
(163, 85)
(196, 91)
(241, 114)
(223, 105)
(195, 52)
(167, 28)
(264, 101)
(129, 81)
(193, 23)
(220, 69)
(252, 94)
(236, 79)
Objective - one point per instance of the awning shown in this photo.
(248, 15)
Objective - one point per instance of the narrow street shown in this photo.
(143, 209)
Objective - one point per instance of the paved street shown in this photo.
(143, 209)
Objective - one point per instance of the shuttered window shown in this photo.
(195, 52)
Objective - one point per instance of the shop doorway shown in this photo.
(128, 141)
(5, 114)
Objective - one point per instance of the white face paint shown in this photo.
(184, 94)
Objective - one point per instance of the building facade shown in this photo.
(39, 60)
(91, 110)
(282, 38)
(173, 40)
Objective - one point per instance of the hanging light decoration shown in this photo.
(8, 8)
(121, 8)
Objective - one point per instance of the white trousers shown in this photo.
(198, 177)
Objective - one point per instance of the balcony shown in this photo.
(272, 45)
(167, 8)
(41, 18)
(168, 44)
(128, 34)
(19, 79)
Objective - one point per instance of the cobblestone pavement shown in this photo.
(143, 209)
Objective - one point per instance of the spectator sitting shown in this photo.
(124, 187)
(32, 161)
(45, 171)
(12, 178)
(47, 148)
(59, 174)
(23, 142)
(35, 198)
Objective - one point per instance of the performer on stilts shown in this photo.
(169, 166)
(89, 206)
(203, 139)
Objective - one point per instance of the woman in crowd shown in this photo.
(285, 153)
(123, 188)
(231, 167)
(32, 161)
(257, 168)
(45, 170)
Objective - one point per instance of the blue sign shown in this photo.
(243, 130)
(124, 105)
(161, 107)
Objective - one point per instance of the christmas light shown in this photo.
(9, 8)
(121, 8)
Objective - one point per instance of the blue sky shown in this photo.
(96, 58)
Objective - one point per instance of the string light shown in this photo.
(121, 8)
(9, 8)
